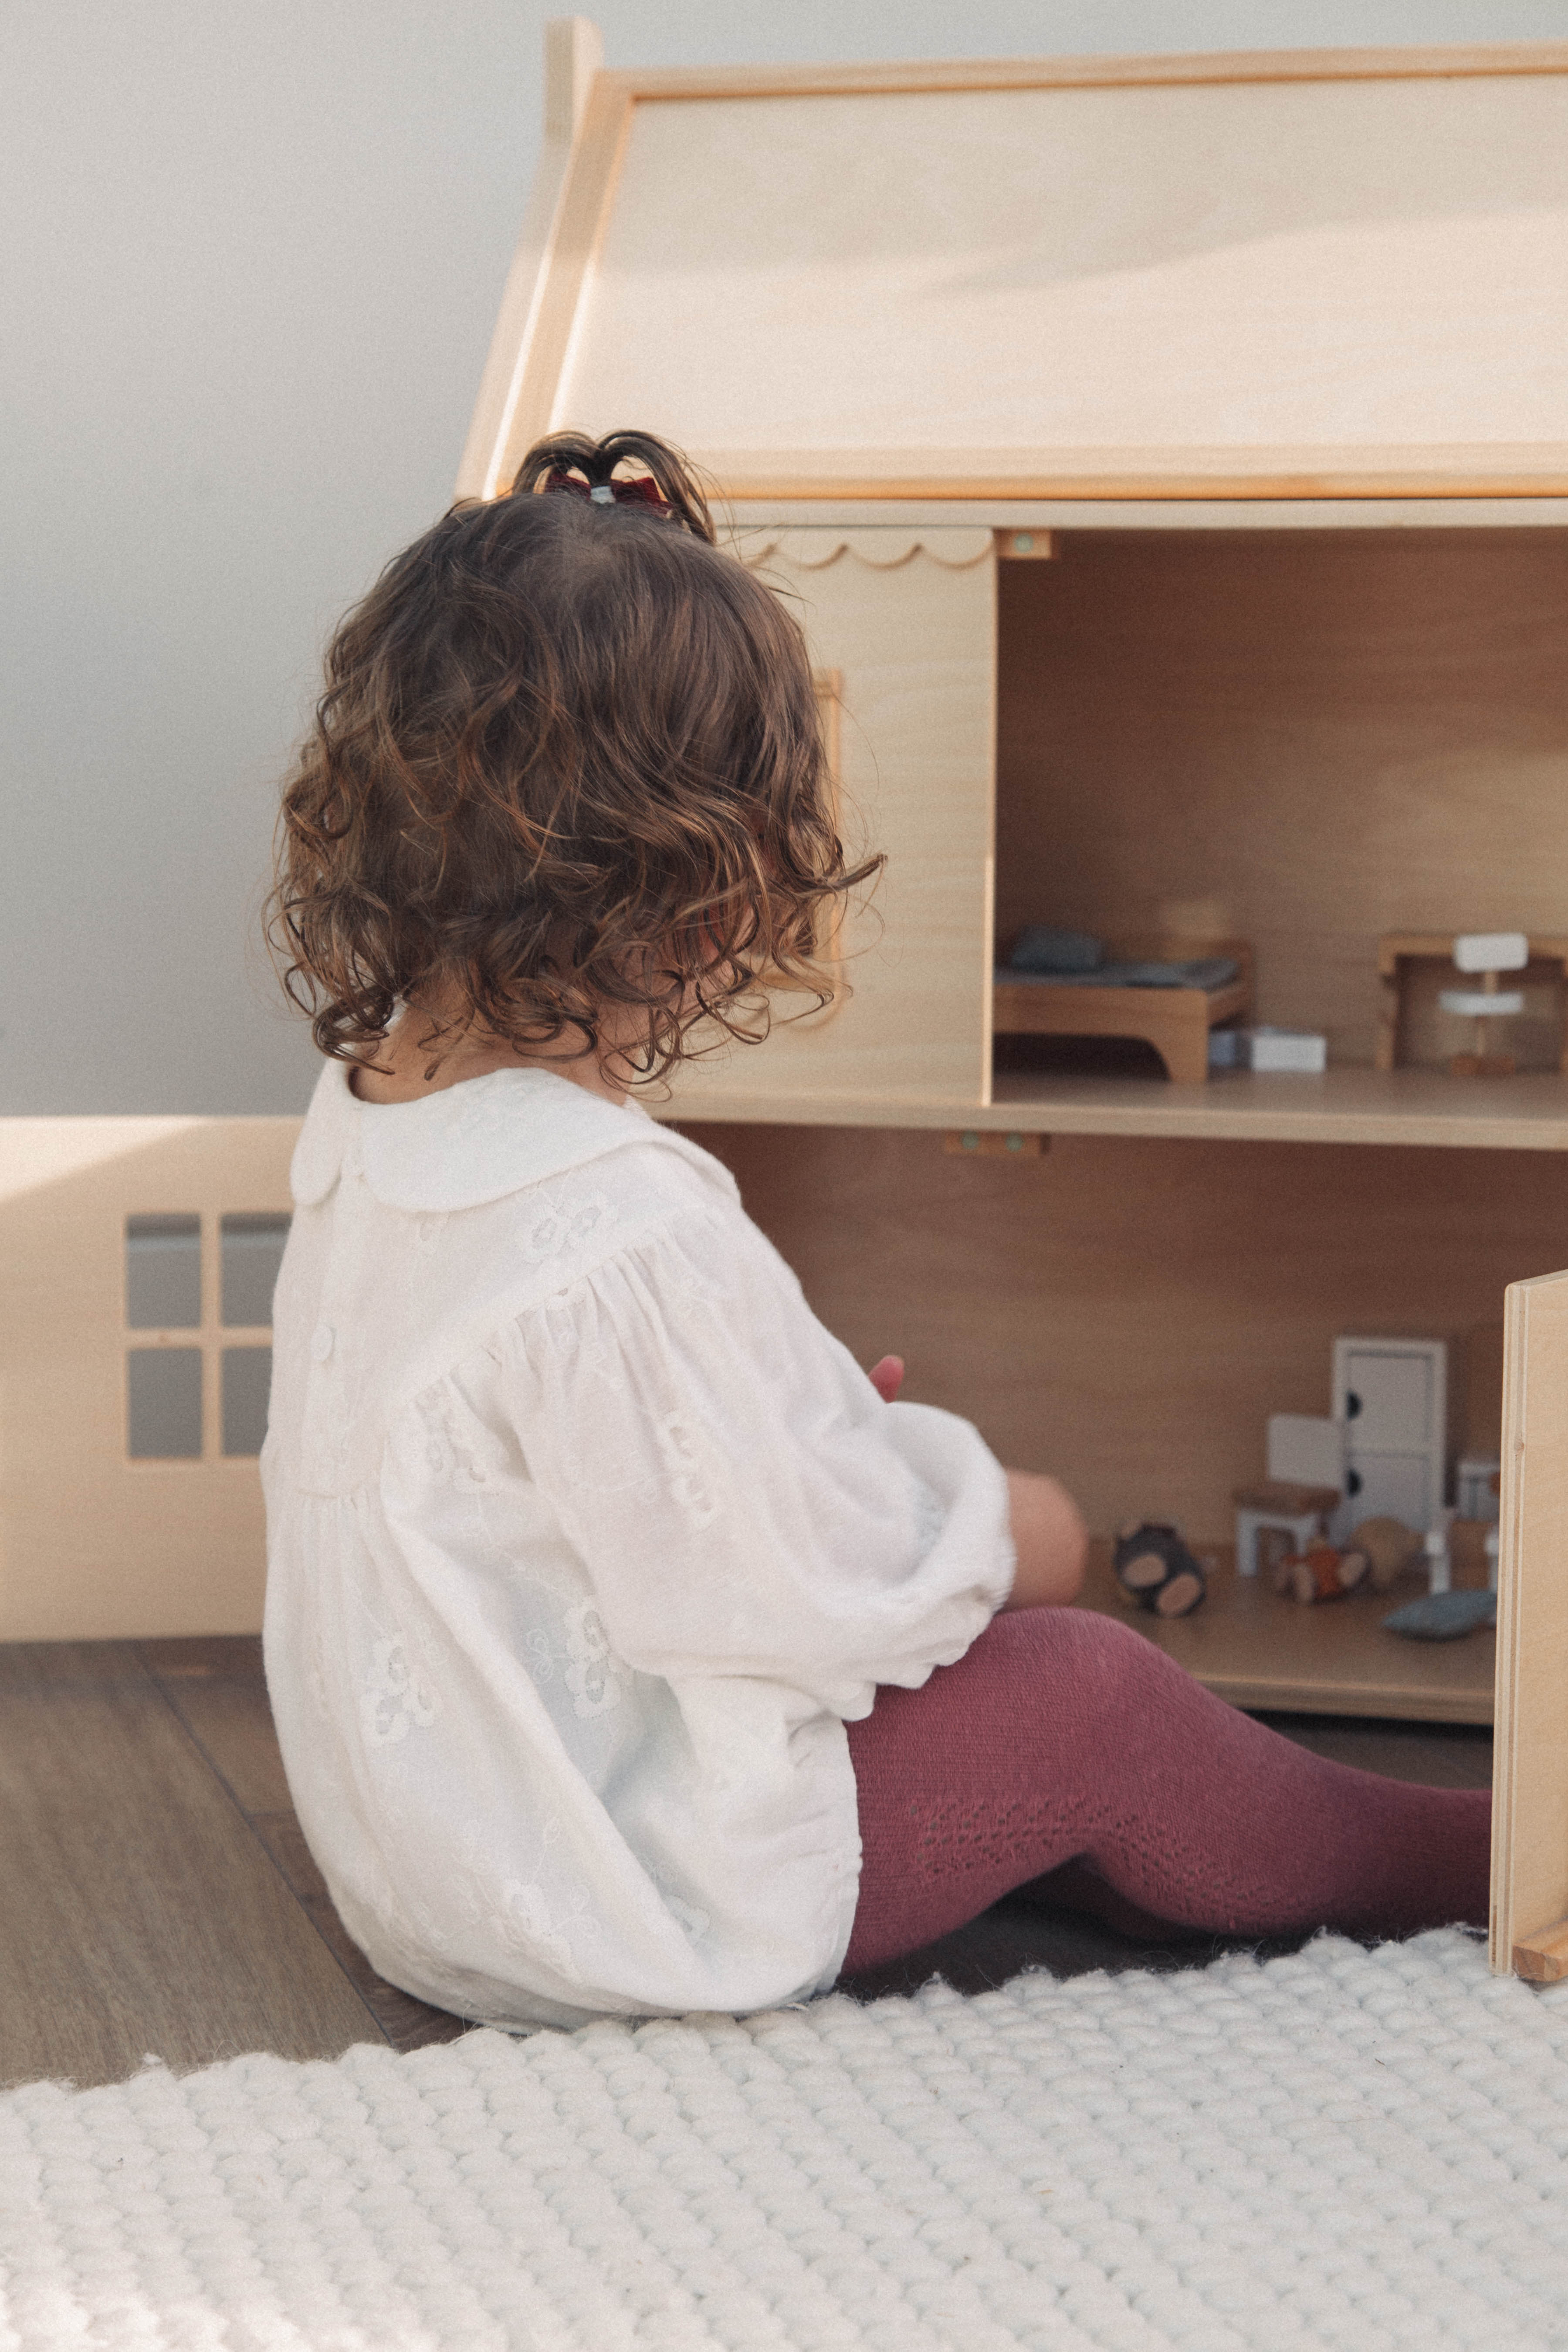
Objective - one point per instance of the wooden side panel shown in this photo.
(1530, 1786)
(585, 119)
(93, 1545)
(908, 621)
(818, 293)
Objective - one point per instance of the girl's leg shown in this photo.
(1064, 1738)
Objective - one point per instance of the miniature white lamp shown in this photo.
(1486, 954)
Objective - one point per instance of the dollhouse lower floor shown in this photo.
(159, 1896)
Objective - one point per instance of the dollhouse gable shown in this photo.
(1273, 275)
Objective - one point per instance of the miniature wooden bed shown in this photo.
(1175, 1022)
(1179, 506)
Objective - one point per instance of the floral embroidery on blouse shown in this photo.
(594, 1674)
(563, 1230)
(395, 1698)
(518, 1910)
(679, 1447)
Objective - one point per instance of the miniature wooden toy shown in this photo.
(1286, 1052)
(1323, 1572)
(1277, 1519)
(1411, 966)
(1391, 1548)
(1175, 1019)
(1282, 1515)
(1152, 1563)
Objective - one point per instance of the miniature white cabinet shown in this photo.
(1391, 1396)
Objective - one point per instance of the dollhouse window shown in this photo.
(164, 1398)
(250, 1252)
(198, 1386)
(162, 1273)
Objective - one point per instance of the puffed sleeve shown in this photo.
(741, 1498)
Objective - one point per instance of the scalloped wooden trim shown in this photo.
(813, 548)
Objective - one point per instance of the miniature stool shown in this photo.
(1278, 1506)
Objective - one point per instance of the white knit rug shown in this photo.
(1347, 2148)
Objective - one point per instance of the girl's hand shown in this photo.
(888, 1378)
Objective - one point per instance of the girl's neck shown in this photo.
(409, 1065)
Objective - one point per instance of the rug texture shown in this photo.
(1346, 2147)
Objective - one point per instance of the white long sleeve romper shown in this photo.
(584, 1541)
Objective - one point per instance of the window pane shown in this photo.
(247, 1377)
(252, 1249)
(165, 1396)
(162, 1273)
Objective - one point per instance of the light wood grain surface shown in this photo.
(1111, 72)
(1330, 315)
(1530, 1809)
(1260, 1650)
(1305, 739)
(912, 642)
(1428, 1110)
(89, 1540)
(141, 1912)
(1127, 1313)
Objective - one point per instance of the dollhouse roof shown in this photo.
(1263, 275)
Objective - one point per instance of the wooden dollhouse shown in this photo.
(1167, 461)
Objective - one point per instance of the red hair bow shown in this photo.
(641, 491)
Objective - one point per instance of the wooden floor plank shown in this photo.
(408, 2024)
(218, 1690)
(141, 1912)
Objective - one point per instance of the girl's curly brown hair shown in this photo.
(569, 757)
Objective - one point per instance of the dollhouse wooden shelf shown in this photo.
(1256, 1650)
(1423, 1107)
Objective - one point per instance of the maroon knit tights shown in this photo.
(1063, 1742)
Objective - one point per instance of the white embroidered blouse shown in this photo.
(584, 1541)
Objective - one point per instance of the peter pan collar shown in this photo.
(470, 1143)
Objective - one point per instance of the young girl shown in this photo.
(631, 1649)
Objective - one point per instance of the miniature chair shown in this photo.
(1486, 953)
(1306, 1481)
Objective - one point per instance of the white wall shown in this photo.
(252, 251)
